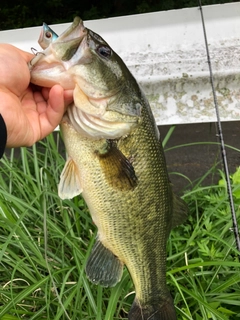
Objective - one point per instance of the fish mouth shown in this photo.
(49, 64)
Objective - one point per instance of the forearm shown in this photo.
(3, 136)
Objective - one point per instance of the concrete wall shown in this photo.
(166, 53)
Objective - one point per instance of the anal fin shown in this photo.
(103, 267)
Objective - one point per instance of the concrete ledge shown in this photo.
(166, 53)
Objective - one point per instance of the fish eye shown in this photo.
(48, 35)
(104, 51)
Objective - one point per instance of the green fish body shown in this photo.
(116, 161)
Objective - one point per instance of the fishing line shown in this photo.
(220, 136)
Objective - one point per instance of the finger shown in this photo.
(41, 103)
(27, 56)
(68, 97)
(45, 93)
(38, 97)
(56, 98)
(53, 114)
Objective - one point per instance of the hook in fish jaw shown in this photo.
(36, 53)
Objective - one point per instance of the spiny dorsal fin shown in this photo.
(103, 267)
(69, 185)
(180, 211)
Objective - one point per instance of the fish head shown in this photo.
(107, 98)
(106, 95)
(49, 66)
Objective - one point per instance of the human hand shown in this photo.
(29, 115)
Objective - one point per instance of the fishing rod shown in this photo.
(220, 136)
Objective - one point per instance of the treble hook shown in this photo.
(36, 53)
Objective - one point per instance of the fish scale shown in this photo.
(116, 161)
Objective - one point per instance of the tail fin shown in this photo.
(163, 311)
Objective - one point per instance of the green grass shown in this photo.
(45, 242)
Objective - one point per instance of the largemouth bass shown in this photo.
(116, 160)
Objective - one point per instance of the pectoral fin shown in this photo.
(118, 170)
(69, 185)
(103, 267)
